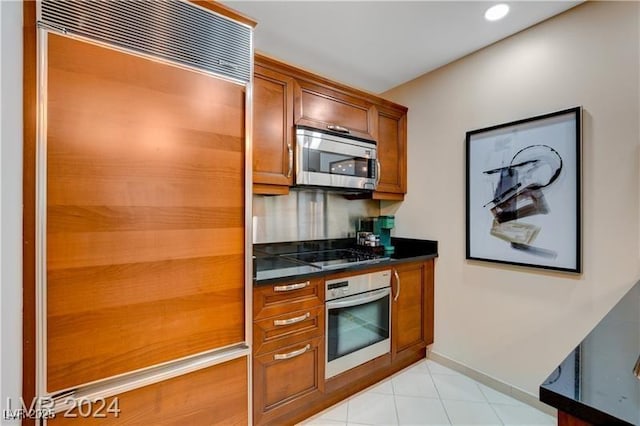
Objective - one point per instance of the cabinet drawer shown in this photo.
(285, 297)
(320, 107)
(287, 379)
(270, 334)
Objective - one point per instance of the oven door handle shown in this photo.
(348, 302)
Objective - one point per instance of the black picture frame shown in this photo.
(523, 192)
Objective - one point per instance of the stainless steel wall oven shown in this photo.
(358, 320)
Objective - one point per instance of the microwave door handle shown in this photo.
(378, 172)
(337, 128)
(359, 300)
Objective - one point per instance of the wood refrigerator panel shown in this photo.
(145, 212)
(212, 396)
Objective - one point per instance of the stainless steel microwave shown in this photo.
(331, 160)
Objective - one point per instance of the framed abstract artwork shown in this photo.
(523, 192)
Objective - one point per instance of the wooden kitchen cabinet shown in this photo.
(286, 380)
(288, 348)
(330, 109)
(215, 395)
(412, 309)
(392, 152)
(289, 389)
(273, 139)
(285, 96)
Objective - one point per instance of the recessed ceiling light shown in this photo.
(496, 12)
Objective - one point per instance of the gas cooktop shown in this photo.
(332, 259)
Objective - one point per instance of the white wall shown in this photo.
(517, 324)
(10, 202)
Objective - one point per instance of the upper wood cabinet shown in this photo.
(273, 142)
(392, 152)
(321, 107)
(285, 96)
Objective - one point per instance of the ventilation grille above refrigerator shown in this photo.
(173, 30)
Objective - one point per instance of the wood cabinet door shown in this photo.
(212, 396)
(273, 144)
(392, 153)
(287, 379)
(412, 310)
(321, 107)
(145, 213)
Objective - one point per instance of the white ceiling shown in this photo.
(377, 45)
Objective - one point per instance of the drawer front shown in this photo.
(321, 107)
(287, 379)
(270, 334)
(282, 298)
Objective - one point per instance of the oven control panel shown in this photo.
(338, 289)
(342, 287)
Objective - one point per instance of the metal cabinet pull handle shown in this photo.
(291, 287)
(398, 281)
(290, 172)
(292, 354)
(292, 320)
(337, 128)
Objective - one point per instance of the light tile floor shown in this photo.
(428, 393)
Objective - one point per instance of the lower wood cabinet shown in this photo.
(212, 396)
(289, 342)
(288, 348)
(411, 307)
(287, 379)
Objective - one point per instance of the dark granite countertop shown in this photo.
(596, 382)
(270, 266)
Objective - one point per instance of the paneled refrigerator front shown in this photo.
(141, 204)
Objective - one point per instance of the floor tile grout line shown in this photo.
(395, 405)
(347, 402)
(489, 403)
(446, 413)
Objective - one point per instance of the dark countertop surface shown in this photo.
(596, 382)
(270, 266)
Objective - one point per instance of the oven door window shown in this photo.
(353, 327)
(315, 160)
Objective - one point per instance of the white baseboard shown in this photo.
(492, 382)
